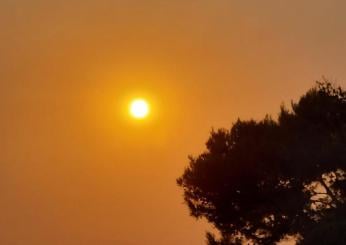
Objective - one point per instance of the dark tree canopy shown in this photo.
(264, 180)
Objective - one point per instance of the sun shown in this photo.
(139, 108)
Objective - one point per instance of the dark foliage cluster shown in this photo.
(261, 181)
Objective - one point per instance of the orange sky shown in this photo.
(74, 169)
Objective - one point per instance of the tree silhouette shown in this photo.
(263, 180)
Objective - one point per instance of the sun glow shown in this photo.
(139, 108)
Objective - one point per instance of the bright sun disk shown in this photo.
(139, 108)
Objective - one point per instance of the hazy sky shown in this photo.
(75, 169)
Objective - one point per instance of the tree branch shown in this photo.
(329, 192)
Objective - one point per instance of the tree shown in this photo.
(263, 180)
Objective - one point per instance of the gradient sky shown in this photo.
(74, 169)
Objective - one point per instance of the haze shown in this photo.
(75, 169)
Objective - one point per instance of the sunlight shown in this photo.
(139, 108)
